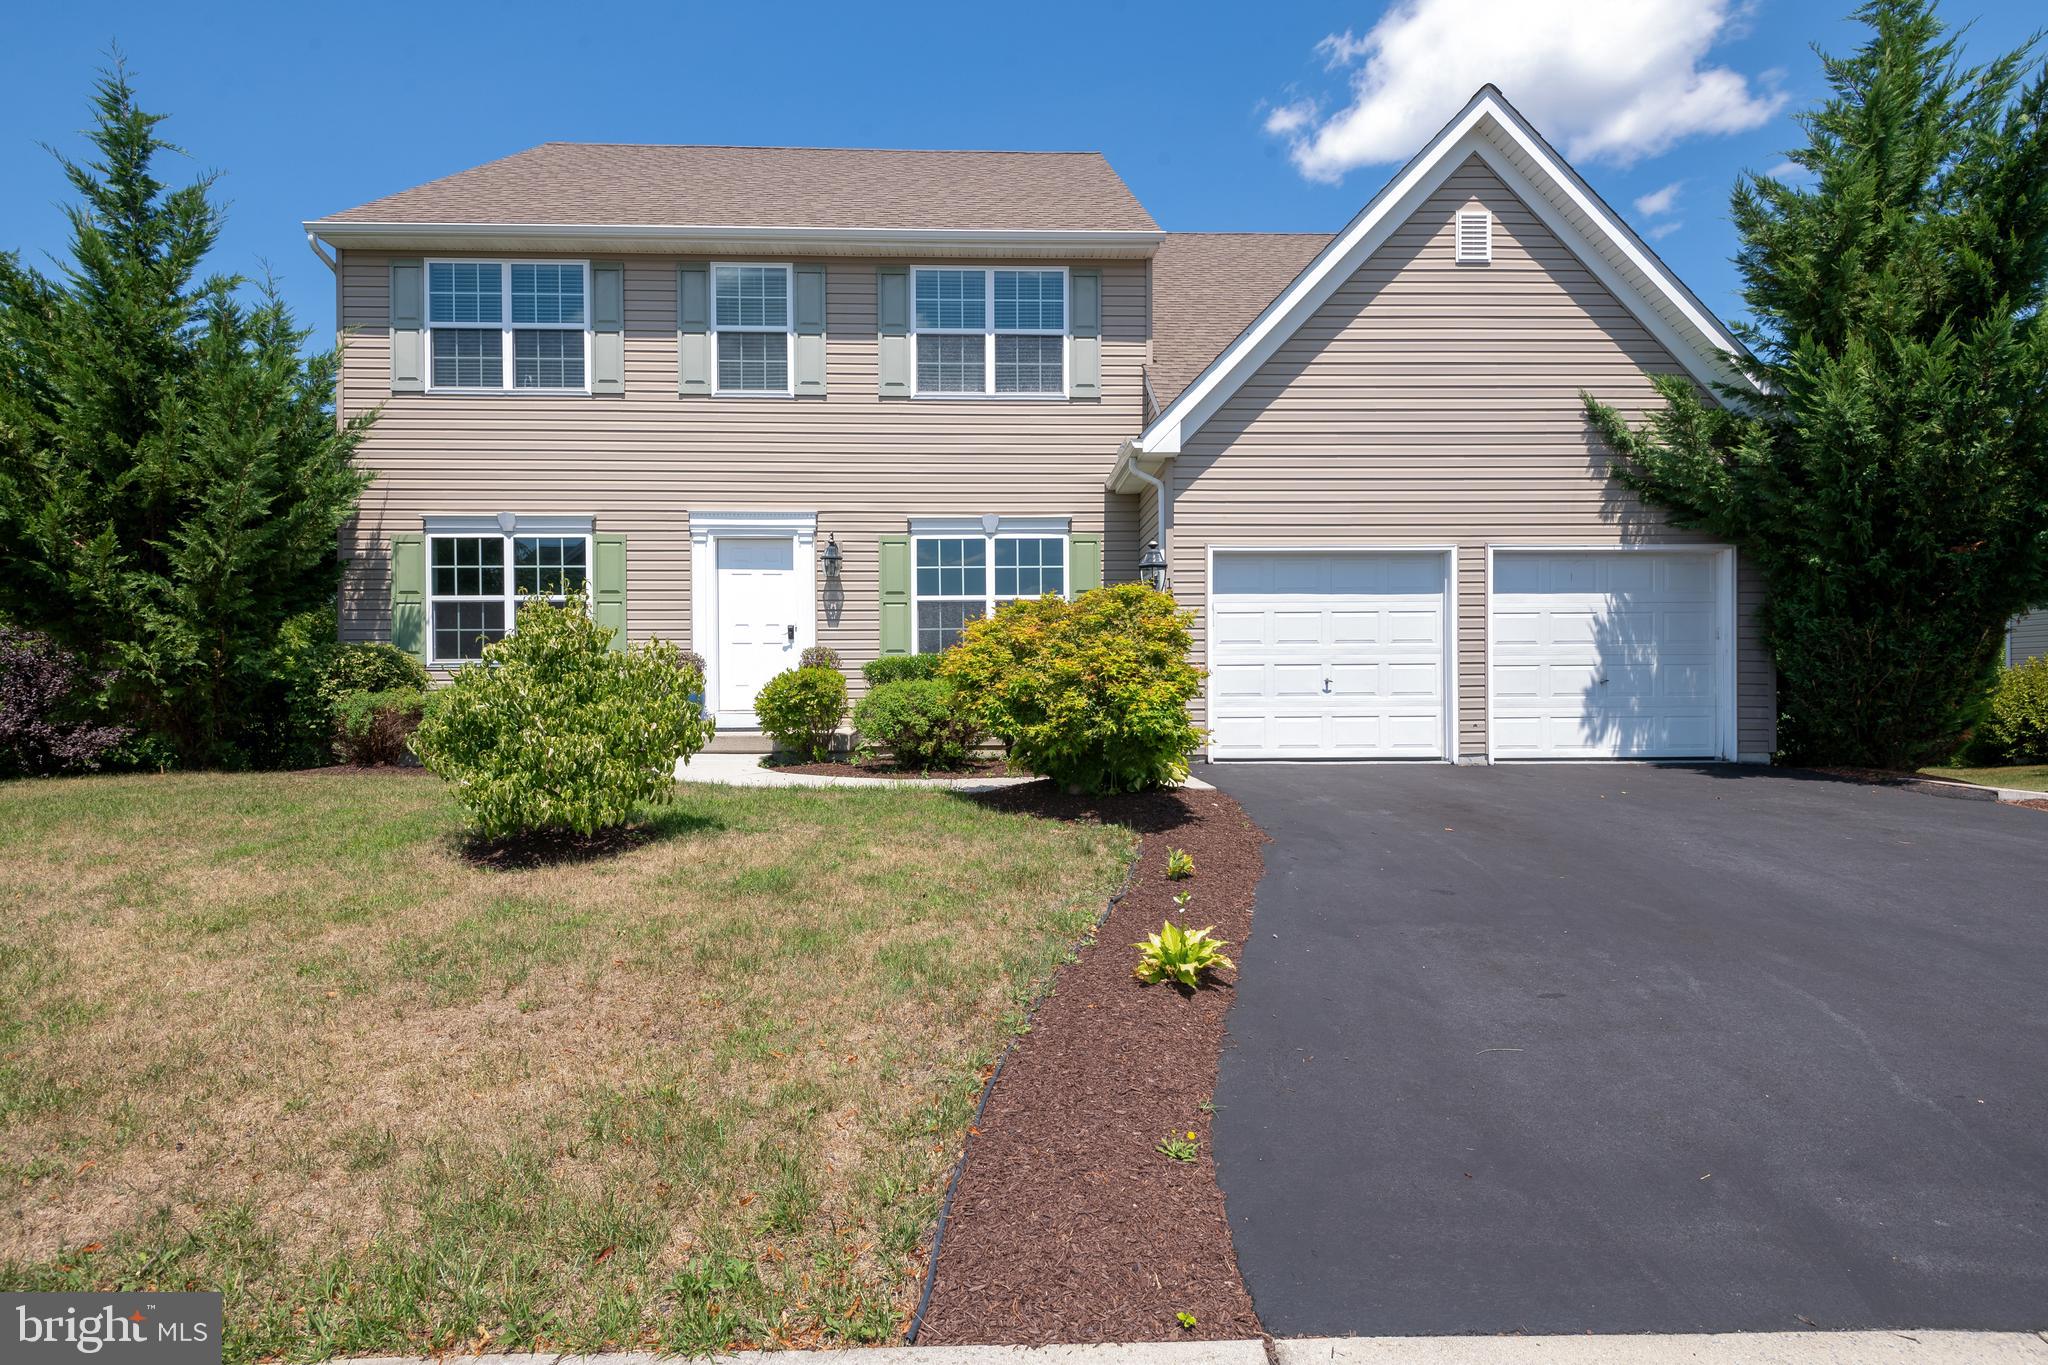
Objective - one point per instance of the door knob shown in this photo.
(792, 634)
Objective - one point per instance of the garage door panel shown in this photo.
(1612, 655)
(1343, 642)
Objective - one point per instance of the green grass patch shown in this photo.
(281, 1036)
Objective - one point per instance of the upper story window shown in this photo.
(750, 312)
(990, 331)
(494, 321)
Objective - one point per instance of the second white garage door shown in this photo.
(1607, 654)
(1327, 654)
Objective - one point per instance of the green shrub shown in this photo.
(920, 720)
(1092, 693)
(820, 656)
(2018, 724)
(801, 710)
(900, 668)
(375, 727)
(1179, 955)
(312, 673)
(553, 731)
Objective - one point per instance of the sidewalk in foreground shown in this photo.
(1733, 1348)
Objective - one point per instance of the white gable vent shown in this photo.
(1475, 237)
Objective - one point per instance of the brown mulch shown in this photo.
(1067, 1225)
(979, 767)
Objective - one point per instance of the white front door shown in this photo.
(1606, 655)
(760, 611)
(1327, 654)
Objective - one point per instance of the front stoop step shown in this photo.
(740, 742)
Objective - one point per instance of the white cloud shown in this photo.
(1663, 230)
(1788, 171)
(1608, 80)
(1657, 203)
(1291, 117)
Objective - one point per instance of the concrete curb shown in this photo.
(1731, 1348)
(1965, 791)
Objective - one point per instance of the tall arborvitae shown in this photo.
(172, 478)
(1890, 481)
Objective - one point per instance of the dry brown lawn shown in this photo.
(282, 1035)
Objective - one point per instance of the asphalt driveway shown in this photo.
(1586, 1048)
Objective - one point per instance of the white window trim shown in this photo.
(788, 328)
(467, 527)
(989, 333)
(506, 327)
(974, 528)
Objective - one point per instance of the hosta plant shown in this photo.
(1180, 865)
(1180, 955)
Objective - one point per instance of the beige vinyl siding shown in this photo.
(1432, 403)
(2028, 637)
(641, 462)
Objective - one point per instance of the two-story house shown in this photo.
(754, 398)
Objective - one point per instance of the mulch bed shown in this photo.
(1067, 1225)
(986, 767)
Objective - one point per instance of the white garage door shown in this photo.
(1613, 655)
(1327, 655)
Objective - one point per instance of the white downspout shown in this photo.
(314, 242)
(1158, 487)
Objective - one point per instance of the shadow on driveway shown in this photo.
(1623, 1048)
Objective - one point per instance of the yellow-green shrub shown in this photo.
(554, 731)
(2018, 724)
(1092, 693)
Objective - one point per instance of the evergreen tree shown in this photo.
(1891, 480)
(172, 477)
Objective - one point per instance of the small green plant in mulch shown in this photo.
(1180, 865)
(1179, 1148)
(1182, 956)
(1186, 1320)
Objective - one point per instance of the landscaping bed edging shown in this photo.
(1064, 1223)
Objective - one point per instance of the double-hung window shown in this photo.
(750, 313)
(962, 578)
(496, 325)
(477, 580)
(984, 331)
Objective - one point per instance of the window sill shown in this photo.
(511, 393)
(992, 397)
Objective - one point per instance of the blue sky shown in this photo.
(1219, 115)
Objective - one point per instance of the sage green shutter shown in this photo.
(409, 594)
(892, 330)
(693, 329)
(808, 314)
(408, 327)
(1085, 349)
(607, 327)
(1084, 564)
(894, 572)
(608, 587)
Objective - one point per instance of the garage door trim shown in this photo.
(1723, 558)
(1450, 634)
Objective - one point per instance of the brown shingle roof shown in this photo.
(1207, 287)
(589, 184)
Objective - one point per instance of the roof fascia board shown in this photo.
(345, 232)
(1473, 130)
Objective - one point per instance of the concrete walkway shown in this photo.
(745, 770)
(1748, 1348)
